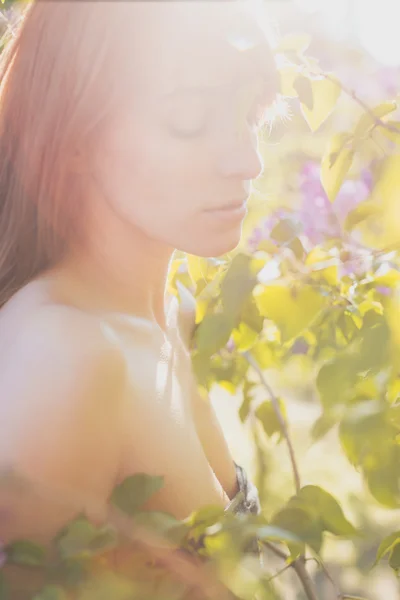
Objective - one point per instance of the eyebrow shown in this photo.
(260, 64)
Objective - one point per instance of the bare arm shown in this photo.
(208, 426)
(62, 387)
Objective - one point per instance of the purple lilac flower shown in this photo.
(384, 290)
(316, 211)
(263, 231)
(351, 194)
(322, 218)
(230, 346)
(300, 346)
(388, 78)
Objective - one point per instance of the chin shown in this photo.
(212, 247)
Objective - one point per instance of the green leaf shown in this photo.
(4, 588)
(244, 337)
(329, 510)
(367, 121)
(108, 585)
(247, 399)
(303, 87)
(335, 164)
(303, 525)
(237, 285)
(213, 332)
(387, 544)
(374, 343)
(325, 95)
(24, 552)
(162, 523)
(267, 415)
(51, 592)
(270, 532)
(206, 516)
(72, 572)
(81, 538)
(361, 213)
(335, 381)
(394, 136)
(293, 309)
(394, 560)
(323, 425)
(130, 495)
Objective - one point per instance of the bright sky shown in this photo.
(374, 23)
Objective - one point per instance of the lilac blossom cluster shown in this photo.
(320, 219)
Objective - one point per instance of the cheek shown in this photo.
(144, 163)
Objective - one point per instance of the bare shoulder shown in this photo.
(50, 334)
(62, 379)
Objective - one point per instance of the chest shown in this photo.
(166, 433)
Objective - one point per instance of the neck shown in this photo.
(122, 270)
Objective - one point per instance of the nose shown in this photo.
(239, 155)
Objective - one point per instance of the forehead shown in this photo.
(195, 44)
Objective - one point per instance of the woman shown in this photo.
(127, 129)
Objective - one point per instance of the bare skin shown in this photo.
(119, 399)
(95, 376)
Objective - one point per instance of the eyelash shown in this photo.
(255, 119)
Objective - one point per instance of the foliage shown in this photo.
(319, 278)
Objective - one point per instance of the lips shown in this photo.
(231, 206)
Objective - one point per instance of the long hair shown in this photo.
(57, 82)
(53, 91)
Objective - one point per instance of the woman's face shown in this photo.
(181, 146)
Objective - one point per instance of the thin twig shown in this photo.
(377, 121)
(304, 576)
(279, 416)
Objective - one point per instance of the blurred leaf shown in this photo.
(394, 560)
(325, 95)
(108, 585)
(373, 352)
(386, 546)
(392, 135)
(247, 399)
(335, 164)
(237, 285)
(244, 337)
(361, 213)
(4, 588)
(162, 523)
(263, 354)
(130, 495)
(292, 309)
(267, 415)
(303, 525)
(304, 89)
(323, 425)
(288, 76)
(199, 268)
(328, 509)
(367, 121)
(214, 332)
(81, 538)
(51, 592)
(335, 380)
(25, 552)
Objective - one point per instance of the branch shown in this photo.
(377, 121)
(279, 416)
